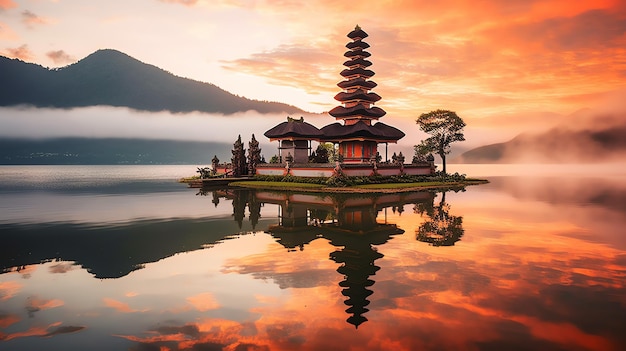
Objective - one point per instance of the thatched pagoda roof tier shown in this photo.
(357, 34)
(360, 130)
(359, 61)
(357, 53)
(357, 110)
(357, 72)
(293, 129)
(357, 44)
(357, 82)
(358, 95)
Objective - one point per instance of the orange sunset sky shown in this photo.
(500, 63)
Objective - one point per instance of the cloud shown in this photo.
(60, 57)
(49, 331)
(284, 66)
(181, 2)
(8, 290)
(7, 320)
(31, 20)
(481, 59)
(593, 29)
(119, 306)
(63, 330)
(6, 33)
(61, 267)
(203, 302)
(7, 4)
(35, 304)
(22, 52)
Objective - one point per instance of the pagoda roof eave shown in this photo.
(357, 34)
(357, 44)
(357, 53)
(359, 61)
(379, 132)
(357, 82)
(358, 110)
(356, 96)
(359, 72)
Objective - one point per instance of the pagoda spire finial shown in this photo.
(357, 27)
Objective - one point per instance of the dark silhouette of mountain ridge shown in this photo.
(558, 145)
(110, 77)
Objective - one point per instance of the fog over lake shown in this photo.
(119, 122)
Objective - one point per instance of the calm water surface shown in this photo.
(125, 258)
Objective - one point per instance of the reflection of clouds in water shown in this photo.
(62, 267)
(9, 289)
(35, 304)
(46, 332)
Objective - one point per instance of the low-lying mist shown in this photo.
(112, 122)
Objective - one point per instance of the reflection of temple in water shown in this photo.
(348, 222)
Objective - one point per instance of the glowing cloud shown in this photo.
(8, 290)
(30, 19)
(6, 33)
(60, 57)
(203, 302)
(7, 4)
(119, 306)
(23, 53)
(182, 2)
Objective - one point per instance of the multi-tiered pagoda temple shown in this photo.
(356, 134)
(358, 137)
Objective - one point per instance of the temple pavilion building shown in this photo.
(356, 133)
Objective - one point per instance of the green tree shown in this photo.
(445, 127)
(320, 155)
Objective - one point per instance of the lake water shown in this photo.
(126, 258)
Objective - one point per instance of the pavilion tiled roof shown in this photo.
(379, 132)
(294, 129)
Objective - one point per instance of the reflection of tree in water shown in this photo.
(440, 228)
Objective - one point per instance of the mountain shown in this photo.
(110, 77)
(85, 151)
(558, 145)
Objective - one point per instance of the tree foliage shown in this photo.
(320, 155)
(445, 127)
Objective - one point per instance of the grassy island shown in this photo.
(343, 184)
